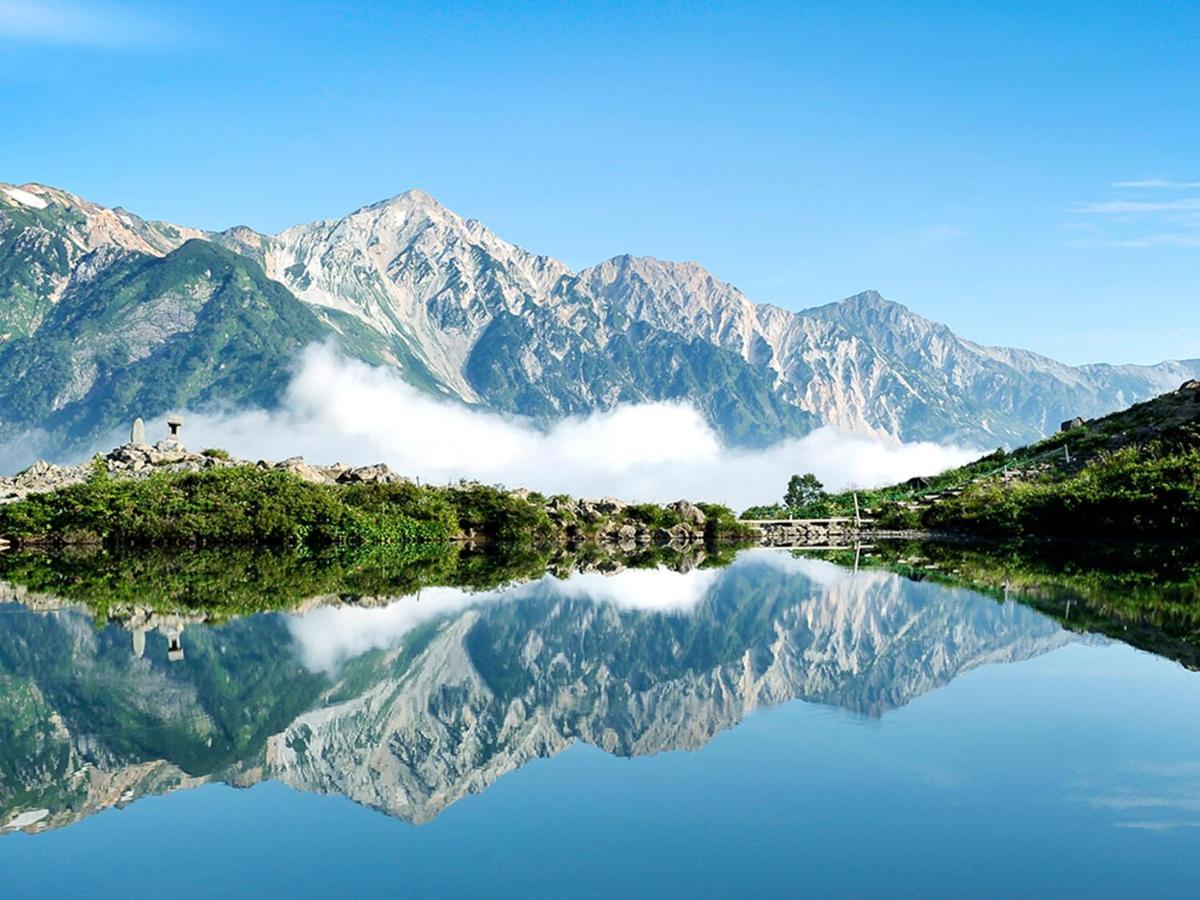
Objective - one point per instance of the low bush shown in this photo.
(1136, 491)
(249, 506)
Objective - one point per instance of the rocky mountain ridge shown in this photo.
(409, 284)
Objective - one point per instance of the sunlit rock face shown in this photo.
(408, 707)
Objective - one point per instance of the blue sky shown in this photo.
(1027, 173)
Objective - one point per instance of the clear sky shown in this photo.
(1028, 173)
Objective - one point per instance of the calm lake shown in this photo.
(777, 726)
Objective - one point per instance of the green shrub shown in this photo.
(245, 506)
(1133, 492)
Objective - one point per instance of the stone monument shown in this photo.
(172, 441)
(137, 434)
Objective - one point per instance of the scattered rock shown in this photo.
(689, 512)
(677, 532)
(606, 521)
(308, 472)
(1076, 422)
(376, 474)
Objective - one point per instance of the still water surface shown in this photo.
(778, 727)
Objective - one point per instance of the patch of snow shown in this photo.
(25, 198)
(25, 819)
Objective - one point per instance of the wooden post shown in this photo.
(857, 518)
(1067, 454)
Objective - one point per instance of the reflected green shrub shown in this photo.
(1144, 594)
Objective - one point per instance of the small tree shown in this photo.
(803, 490)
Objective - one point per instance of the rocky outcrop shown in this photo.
(614, 521)
(141, 460)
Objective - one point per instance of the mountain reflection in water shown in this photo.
(408, 707)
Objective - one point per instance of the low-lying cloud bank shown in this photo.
(344, 410)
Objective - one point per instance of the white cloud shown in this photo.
(90, 24)
(1157, 184)
(821, 573)
(325, 637)
(1151, 825)
(1172, 221)
(341, 410)
(649, 590)
(1139, 206)
(1163, 239)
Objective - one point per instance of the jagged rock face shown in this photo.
(199, 325)
(97, 302)
(458, 308)
(410, 267)
(916, 378)
(871, 366)
(86, 723)
(470, 689)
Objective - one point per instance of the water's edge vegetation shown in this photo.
(1146, 595)
(250, 506)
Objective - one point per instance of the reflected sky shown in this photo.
(778, 726)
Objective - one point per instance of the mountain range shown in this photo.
(104, 315)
